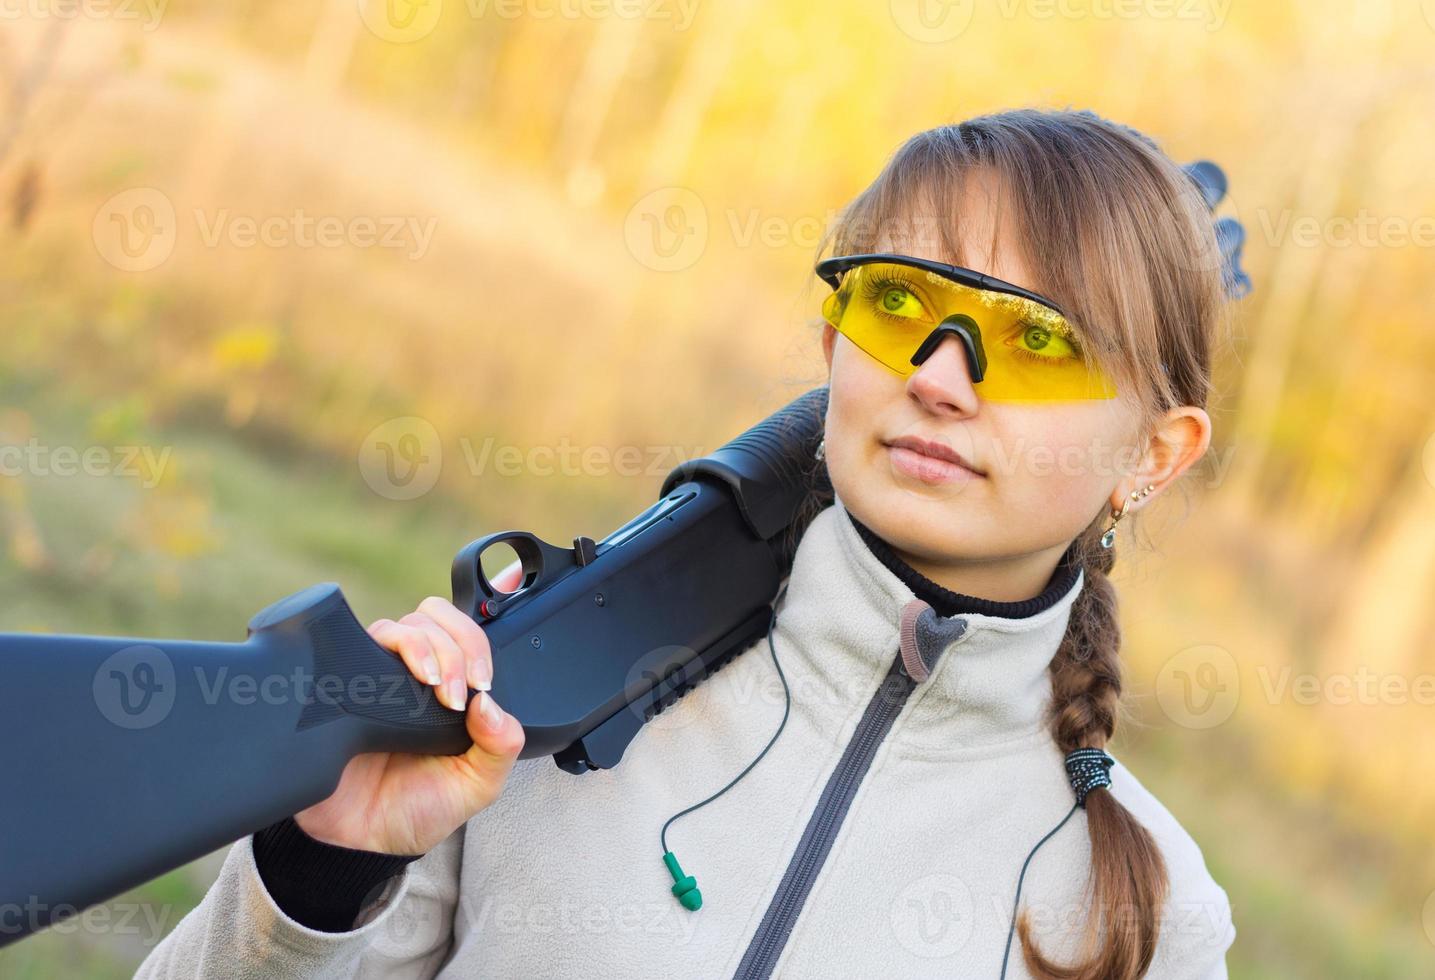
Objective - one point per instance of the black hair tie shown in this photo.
(1087, 770)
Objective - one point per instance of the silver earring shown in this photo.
(1109, 538)
(821, 452)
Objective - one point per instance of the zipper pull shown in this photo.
(912, 663)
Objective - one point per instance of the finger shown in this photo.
(453, 690)
(413, 647)
(477, 654)
(508, 579)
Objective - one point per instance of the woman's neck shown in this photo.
(925, 583)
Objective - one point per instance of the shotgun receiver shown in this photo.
(128, 758)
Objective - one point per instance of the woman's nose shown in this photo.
(943, 382)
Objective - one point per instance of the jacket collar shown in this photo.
(842, 616)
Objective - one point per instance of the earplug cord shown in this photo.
(787, 709)
(1086, 769)
(1017, 900)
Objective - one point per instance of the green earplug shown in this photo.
(687, 886)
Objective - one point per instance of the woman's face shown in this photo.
(1043, 471)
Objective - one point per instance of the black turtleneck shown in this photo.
(945, 602)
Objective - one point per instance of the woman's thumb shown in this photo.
(497, 739)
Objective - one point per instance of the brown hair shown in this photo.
(1126, 246)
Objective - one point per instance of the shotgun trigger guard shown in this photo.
(541, 563)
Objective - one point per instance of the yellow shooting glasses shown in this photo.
(1019, 345)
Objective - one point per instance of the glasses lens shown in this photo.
(1032, 352)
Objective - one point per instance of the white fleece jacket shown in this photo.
(563, 875)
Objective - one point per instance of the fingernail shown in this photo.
(431, 671)
(457, 695)
(488, 709)
(476, 680)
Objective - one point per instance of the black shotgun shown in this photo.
(126, 758)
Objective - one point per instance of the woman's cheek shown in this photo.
(1047, 474)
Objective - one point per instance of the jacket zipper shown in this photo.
(825, 823)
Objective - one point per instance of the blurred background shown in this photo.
(298, 292)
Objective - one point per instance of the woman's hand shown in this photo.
(405, 804)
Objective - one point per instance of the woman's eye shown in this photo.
(1041, 341)
(900, 302)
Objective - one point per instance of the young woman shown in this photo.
(1018, 340)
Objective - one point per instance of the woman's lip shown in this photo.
(928, 469)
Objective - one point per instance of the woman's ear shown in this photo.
(829, 339)
(1177, 444)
